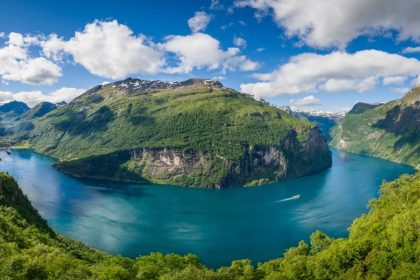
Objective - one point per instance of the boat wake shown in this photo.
(297, 196)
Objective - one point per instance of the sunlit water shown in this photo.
(219, 226)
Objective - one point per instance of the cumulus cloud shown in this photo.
(411, 50)
(416, 81)
(305, 101)
(333, 72)
(393, 80)
(239, 42)
(17, 65)
(199, 21)
(335, 23)
(201, 51)
(34, 97)
(108, 49)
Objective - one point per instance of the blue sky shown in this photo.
(289, 52)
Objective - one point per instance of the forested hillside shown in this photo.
(383, 244)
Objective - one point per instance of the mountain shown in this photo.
(193, 133)
(362, 107)
(15, 107)
(20, 123)
(39, 110)
(325, 120)
(383, 244)
(9, 112)
(390, 131)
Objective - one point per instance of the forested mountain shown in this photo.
(390, 131)
(194, 133)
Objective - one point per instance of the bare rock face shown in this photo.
(258, 165)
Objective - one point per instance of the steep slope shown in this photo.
(39, 110)
(15, 107)
(390, 131)
(195, 133)
(383, 244)
(9, 113)
(19, 122)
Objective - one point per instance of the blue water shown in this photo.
(219, 226)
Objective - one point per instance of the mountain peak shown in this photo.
(16, 107)
(134, 85)
(412, 97)
(361, 107)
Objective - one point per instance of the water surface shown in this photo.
(219, 226)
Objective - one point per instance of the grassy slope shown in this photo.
(218, 121)
(382, 244)
(105, 124)
(360, 133)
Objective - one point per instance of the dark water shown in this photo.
(218, 225)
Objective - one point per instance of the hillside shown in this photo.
(194, 133)
(383, 244)
(15, 107)
(390, 131)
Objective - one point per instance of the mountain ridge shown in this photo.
(195, 132)
(390, 130)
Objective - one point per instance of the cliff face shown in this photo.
(258, 164)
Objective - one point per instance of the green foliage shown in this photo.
(201, 118)
(390, 131)
(383, 244)
(95, 135)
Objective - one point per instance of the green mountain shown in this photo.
(194, 133)
(39, 110)
(9, 112)
(383, 244)
(390, 131)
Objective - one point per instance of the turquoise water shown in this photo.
(218, 225)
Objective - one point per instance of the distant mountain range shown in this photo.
(325, 120)
(194, 133)
(390, 130)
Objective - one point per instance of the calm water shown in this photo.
(218, 225)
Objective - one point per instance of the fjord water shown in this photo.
(219, 226)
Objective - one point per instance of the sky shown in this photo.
(309, 54)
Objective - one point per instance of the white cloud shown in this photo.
(305, 101)
(239, 42)
(401, 90)
(393, 80)
(416, 81)
(333, 72)
(34, 97)
(216, 5)
(199, 21)
(108, 49)
(411, 50)
(17, 65)
(200, 51)
(359, 85)
(329, 23)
